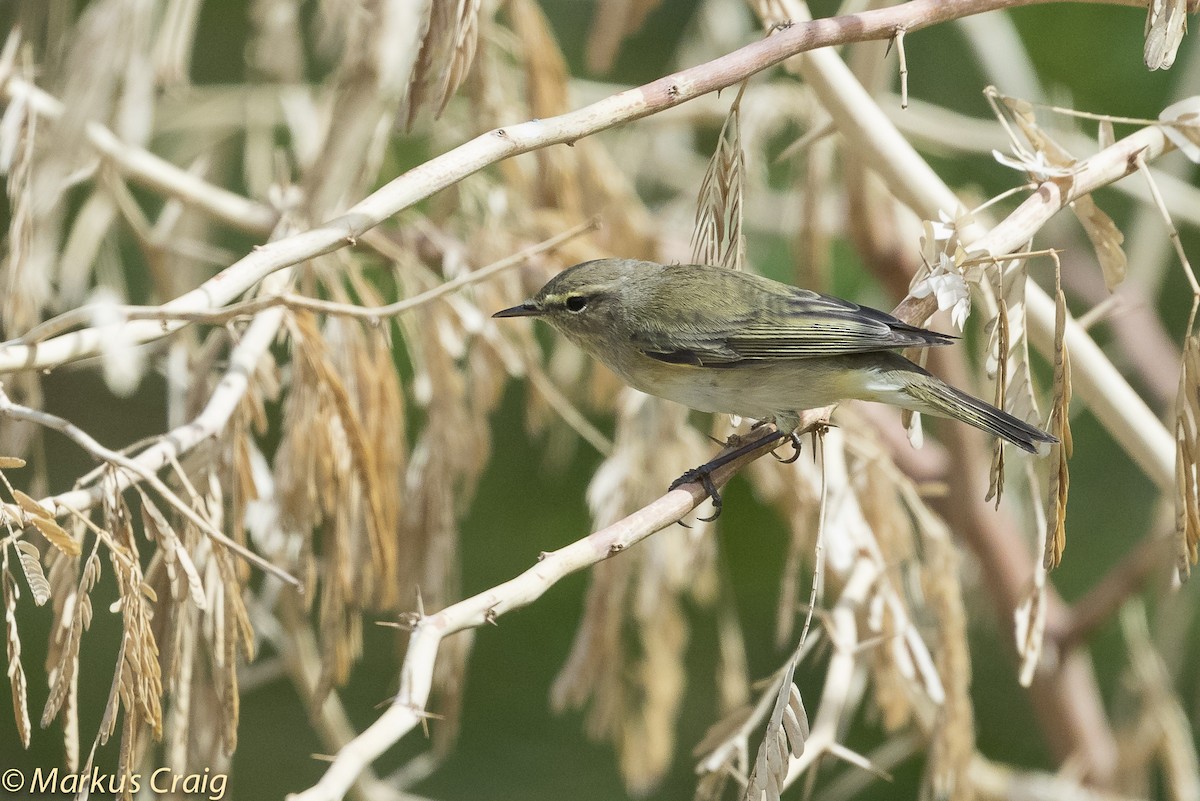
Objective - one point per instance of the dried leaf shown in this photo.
(952, 741)
(1030, 620)
(43, 519)
(1020, 112)
(31, 564)
(1047, 160)
(1000, 352)
(430, 72)
(59, 538)
(16, 673)
(795, 721)
(137, 679)
(718, 237)
(31, 506)
(1106, 239)
(174, 552)
(1166, 23)
(73, 615)
(786, 731)
(466, 37)
(635, 605)
(311, 348)
(1187, 449)
(1184, 126)
(1060, 426)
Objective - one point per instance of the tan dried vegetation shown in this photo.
(330, 393)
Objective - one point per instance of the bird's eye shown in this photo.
(576, 303)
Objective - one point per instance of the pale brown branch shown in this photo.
(416, 674)
(153, 171)
(98, 451)
(996, 782)
(1102, 602)
(291, 300)
(869, 134)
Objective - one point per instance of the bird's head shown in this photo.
(585, 302)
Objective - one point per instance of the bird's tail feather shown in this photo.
(939, 398)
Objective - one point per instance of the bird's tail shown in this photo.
(934, 396)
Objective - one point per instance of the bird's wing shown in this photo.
(801, 325)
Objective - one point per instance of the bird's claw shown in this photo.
(704, 472)
(794, 439)
(710, 488)
(704, 475)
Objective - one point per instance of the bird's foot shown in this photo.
(794, 439)
(703, 474)
(738, 447)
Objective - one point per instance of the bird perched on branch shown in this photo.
(720, 340)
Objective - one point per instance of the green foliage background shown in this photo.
(512, 747)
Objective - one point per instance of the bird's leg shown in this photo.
(794, 439)
(792, 436)
(711, 488)
(704, 472)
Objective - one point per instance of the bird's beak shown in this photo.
(526, 309)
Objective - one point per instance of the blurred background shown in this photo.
(233, 104)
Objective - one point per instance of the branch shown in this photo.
(153, 171)
(291, 300)
(243, 361)
(868, 131)
(1105, 598)
(416, 674)
(98, 451)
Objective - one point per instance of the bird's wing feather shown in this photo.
(767, 325)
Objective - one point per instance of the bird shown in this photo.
(727, 341)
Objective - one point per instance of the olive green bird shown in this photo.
(720, 340)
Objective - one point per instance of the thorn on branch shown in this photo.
(898, 40)
(405, 620)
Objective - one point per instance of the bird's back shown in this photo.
(716, 316)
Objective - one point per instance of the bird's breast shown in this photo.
(754, 389)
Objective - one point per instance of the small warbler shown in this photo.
(720, 340)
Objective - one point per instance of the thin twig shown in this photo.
(151, 170)
(98, 451)
(291, 300)
(1106, 596)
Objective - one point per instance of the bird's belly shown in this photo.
(756, 390)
